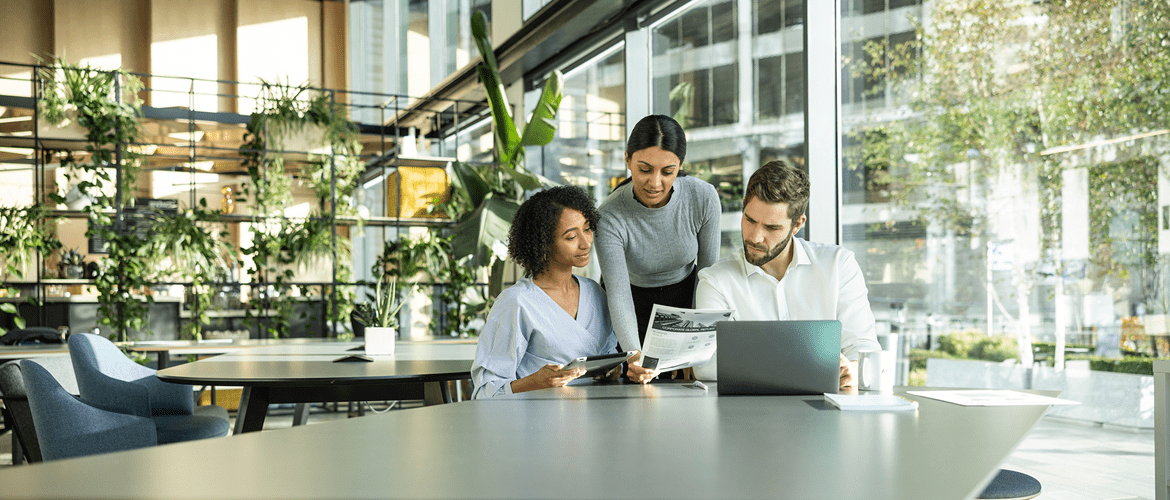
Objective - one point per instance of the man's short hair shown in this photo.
(779, 182)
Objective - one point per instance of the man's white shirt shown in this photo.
(822, 282)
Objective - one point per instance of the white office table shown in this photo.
(621, 441)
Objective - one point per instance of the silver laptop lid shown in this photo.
(778, 357)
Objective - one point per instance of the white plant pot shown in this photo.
(380, 340)
(70, 130)
(309, 139)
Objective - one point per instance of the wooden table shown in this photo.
(614, 441)
(11, 352)
(307, 373)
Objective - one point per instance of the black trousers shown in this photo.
(681, 294)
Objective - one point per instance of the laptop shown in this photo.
(778, 357)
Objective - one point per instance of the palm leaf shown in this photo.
(469, 179)
(542, 127)
(490, 222)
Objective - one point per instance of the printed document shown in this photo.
(680, 338)
(992, 397)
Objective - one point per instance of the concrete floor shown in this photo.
(1072, 461)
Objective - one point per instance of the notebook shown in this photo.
(778, 357)
(870, 402)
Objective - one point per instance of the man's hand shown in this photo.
(636, 372)
(848, 371)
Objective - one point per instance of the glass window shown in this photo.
(1014, 191)
(692, 52)
(698, 78)
(589, 149)
(406, 48)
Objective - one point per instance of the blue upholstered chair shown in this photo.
(17, 414)
(107, 378)
(1009, 484)
(67, 427)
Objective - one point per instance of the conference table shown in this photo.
(305, 373)
(665, 440)
(163, 349)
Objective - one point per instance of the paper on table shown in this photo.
(678, 338)
(992, 397)
(870, 402)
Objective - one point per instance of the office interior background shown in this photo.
(997, 167)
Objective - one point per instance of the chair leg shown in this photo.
(17, 450)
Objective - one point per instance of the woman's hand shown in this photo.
(636, 372)
(546, 377)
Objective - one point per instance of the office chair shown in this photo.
(33, 335)
(109, 379)
(17, 414)
(1009, 484)
(67, 427)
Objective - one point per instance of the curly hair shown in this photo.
(533, 227)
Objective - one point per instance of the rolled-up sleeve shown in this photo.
(501, 346)
(858, 332)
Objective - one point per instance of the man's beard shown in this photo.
(766, 258)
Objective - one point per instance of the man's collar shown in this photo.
(799, 258)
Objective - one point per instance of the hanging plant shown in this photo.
(195, 253)
(106, 104)
(25, 233)
(285, 111)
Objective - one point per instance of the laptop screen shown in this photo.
(778, 357)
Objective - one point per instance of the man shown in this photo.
(780, 277)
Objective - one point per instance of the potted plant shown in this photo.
(72, 264)
(380, 316)
(491, 195)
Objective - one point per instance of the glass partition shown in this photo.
(732, 73)
(1004, 173)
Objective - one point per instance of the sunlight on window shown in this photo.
(16, 84)
(16, 187)
(194, 57)
(165, 183)
(418, 46)
(276, 51)
(107, 62)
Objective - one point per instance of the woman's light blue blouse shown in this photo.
(526, 330)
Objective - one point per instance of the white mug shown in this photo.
(380, 341)
(875, 371)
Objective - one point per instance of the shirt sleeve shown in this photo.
(707, 296)
(502, 343)
(709, 227)
(858, 332)
(611, 256)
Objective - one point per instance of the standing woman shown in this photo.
(657, 230)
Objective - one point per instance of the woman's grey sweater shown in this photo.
(651, 247)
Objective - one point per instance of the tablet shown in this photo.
(598, 365)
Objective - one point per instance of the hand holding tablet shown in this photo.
(598, 365)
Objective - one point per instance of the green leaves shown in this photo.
(497, 192)
(490, 222)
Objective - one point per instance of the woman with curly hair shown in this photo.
(550, 316)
